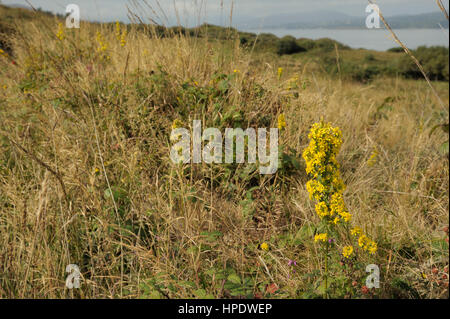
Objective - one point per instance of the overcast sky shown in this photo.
(194, 11)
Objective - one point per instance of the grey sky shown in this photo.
(194, 11)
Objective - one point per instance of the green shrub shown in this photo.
(395, 50)
(288, 45)
(434, 60)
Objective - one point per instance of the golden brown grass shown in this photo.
(75, 128)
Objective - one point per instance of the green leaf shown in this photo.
(212, 236)
(234, 279)
(117, 192)
(200, 293)
(444, 149)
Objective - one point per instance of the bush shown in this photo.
(396, 50)
(369, 57)
(327, 45)
(288, 45)
(434, 60)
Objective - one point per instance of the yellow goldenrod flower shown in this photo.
(363, 241)
(123, 37)
(356, 231)
(346, 216)
(367, 244)
(373, 158)
(118, 30)
(60, 33)
(326, 185)
(321, 237)
(315, 189)
(102, 46)
(281, 122)
(372, 247)
(264, 246)
(280, 72)
(235, 71)
(3, 53)
(177, 124)
(347, 251)
(322, 209)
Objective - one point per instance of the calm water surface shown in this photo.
(373, 39)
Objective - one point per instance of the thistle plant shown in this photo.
(326, 188)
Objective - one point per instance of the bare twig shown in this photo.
(42, 163)
(441, 6)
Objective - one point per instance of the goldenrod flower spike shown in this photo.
(321, 237)
(60, 33)
(280, 73)
(281, 122)
(347, 251)
(326, 185)
(373, 158)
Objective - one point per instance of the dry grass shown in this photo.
(75, 128)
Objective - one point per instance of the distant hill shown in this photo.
(331, 19)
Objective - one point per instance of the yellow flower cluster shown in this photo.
(338, 209)
(264, 246)
(321, 237)
(367, 244)
(281, 122)
(280, 72)
(356, 231)
(373, 158)
(101, 42)
(315, 189)
(117, 30)
(363, 241)
(60, 33)
(177, 124)
(121, 35)
(347, 251)
(3, 53)
(326, 186)
(102, 46)
(320, 155)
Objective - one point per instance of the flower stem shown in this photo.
(326, 274)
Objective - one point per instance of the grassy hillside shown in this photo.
(85, 174)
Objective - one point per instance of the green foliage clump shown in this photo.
(288, 45)
(434, 60)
